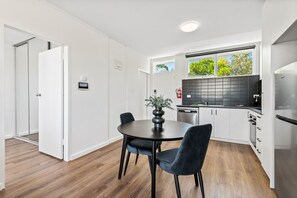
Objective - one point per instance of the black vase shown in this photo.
(158, 120)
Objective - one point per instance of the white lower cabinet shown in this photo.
(206, 117)
(221, 123)
(228, 124)
(239, 125)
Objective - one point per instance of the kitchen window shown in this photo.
(229, 62)
(163, 66)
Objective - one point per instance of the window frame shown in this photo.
(255, 61)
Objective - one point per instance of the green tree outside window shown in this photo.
(228, 65)
(202, 67)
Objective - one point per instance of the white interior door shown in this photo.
(51, 102)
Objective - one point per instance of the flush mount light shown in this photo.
(189, 26)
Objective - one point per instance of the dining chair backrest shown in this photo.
(126, 118)
(191, 154)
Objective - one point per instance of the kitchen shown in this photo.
(234, 104)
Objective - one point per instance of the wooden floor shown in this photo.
(230, 170)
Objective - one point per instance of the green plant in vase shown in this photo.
(158, 103)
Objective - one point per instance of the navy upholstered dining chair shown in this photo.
(189, 157)
(137, 146)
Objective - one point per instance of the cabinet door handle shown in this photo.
(258, 151)
(258, 140)
(247, 114)
(258, 117)
(216, 112)
(211, 111)
(258, 128)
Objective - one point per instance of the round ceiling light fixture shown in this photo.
(189, 26)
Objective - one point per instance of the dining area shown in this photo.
(145, 137)
(142, 138)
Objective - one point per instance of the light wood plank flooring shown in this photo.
(230, 170)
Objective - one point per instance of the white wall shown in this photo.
(117, 86)
(164, 83)
(126, 85)
(283, 54)
(9, 86)
(88, 56)
(2, 109)
(136, 83)
(277, 17)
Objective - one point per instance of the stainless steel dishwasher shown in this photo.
(188, 115)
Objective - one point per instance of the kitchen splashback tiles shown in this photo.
(227, 91)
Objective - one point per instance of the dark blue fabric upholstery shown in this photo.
(189, 158)
(143, 144)
(126, 118)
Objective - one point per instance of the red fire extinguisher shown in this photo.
(178, 93)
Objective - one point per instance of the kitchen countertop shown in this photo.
(254, 109)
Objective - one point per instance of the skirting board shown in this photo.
(8, 136)
(94, 148)
(229, 140)
(26, 132)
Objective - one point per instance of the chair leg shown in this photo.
(150, 162)
(137, 155)
(127, 161)
(124, 146)
(196, 179)
(201, 184)
(177, 186)
(159, 149)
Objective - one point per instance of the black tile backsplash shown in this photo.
(227, 91)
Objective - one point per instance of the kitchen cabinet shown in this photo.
(218, 118)
(221, 123)
(239, 125)
(258, 148)
(228, 124)
(206, 117)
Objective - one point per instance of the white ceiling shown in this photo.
(152, 26)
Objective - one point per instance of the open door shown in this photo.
(51, 102)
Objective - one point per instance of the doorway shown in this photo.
(34, 84)
(26, 88)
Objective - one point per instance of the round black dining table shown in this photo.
(144, 129)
